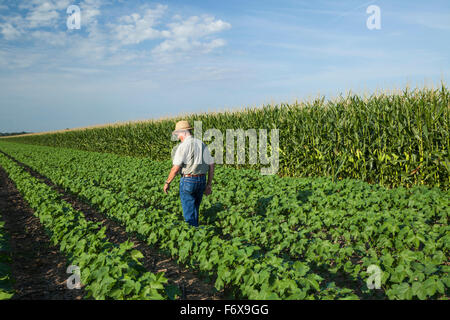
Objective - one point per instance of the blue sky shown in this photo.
(135, 60)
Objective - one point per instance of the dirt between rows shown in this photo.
(192, 286)
(38, 268)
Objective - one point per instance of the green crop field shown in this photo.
(269, 237)
(400, 139)
(363, 185)
(108, 271)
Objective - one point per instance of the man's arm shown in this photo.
(172, 174)
(210, 178)
(177, 163)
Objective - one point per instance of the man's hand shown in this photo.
(166, 187)
(172, 174)
(208, 190)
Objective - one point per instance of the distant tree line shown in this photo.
(5, 134)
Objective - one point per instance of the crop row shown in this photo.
(235, 263)
(344, 226)
(108, 271)
(6, 290)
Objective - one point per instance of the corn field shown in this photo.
(397, 139)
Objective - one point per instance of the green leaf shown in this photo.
(4, 295)
(403, 291)
(136, 255)
(173, 292)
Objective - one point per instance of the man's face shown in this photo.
(180, 135)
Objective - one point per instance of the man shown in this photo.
(194, 160)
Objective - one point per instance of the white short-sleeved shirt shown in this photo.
(193, 156)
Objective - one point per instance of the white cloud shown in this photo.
(50, 4)
(42, 16)
(43, 24)
(90, 10)
(12, 27)
(39, 14)
(9, 31)
(216, 43)
(136, 28)
(196, 27)
(180, 37)
(189, 35)
(184, 44)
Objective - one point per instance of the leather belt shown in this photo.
(192, 175)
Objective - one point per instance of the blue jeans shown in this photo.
(191, 194)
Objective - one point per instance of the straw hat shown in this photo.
(181, 126)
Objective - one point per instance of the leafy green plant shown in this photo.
(107, 271)
(6, 289)
(268, 237)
